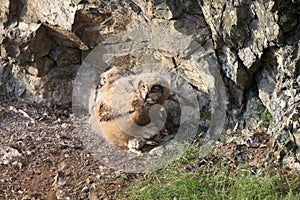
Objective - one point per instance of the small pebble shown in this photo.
(85, 189)
(64, 125)
(77, 146)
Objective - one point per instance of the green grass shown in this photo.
(206, 114)
(189, 179)
(265, 115)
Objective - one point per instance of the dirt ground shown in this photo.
(42, 157)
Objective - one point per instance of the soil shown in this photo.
(42, 157)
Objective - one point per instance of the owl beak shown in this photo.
(145, 94)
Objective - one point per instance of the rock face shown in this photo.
(255, 44)
(258, 47)
(45, 42)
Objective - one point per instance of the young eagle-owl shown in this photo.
(129, 109)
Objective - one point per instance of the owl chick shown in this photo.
(129, 112)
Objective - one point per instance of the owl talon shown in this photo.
(136, 143)
(137, 152)
(152, 143)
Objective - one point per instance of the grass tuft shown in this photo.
(213, 178)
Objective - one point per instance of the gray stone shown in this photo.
(278, 89)
(9, 155)
(57, 13)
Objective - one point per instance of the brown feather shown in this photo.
(114, 93)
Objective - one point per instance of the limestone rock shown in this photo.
(42, 39)
(242, 30)
(57, 13)
(10, 156)
(258, 46)
(278, 84)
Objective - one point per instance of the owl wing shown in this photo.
(110, 104)
(103, 112)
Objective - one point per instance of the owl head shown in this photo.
(153, 89)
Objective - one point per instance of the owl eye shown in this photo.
(156, 88)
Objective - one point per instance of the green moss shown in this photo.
(295, 117)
